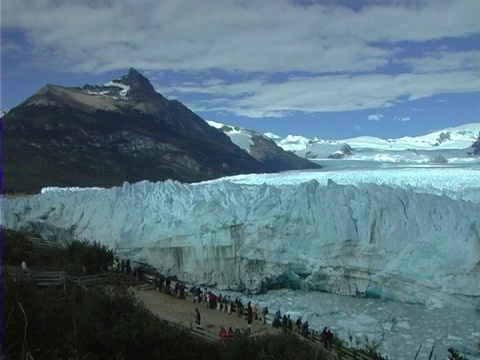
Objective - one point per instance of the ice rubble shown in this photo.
(367, 239)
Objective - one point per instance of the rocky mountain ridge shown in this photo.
(262, 148)
(106, 134)
(475, 148)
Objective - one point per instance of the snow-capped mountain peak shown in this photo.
(448, 145)
(449, 138)
(122, 87)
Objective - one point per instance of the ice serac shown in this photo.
(366, 240)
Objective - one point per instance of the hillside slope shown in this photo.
(107, 134)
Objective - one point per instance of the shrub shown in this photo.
(94, 256)
(16, 248)
(78, 254)
(98, 323)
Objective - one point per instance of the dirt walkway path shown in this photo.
(182, 312)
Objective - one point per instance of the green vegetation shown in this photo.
(103, 322)
(78, 258)
(93, 324)
(268, 347)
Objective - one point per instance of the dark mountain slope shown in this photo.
(104, 135)
(475, 148)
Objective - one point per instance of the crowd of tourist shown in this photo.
(228, 305)
(252, 313)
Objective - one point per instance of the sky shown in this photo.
(332, 69)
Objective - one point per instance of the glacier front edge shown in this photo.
(365, 239)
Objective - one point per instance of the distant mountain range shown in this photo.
(450, 145)
(120, 131)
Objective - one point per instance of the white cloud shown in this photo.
(375, 117)
(443, 61)
(358, 127)
(402, 118)
(259, 98)
(339, 54)
(230, 35)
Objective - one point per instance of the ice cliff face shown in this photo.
(355, 240)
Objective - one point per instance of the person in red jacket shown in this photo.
(222, 333)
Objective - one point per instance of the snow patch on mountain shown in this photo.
(344, 151)
(264, 149)
(125, 88)
(295, 142)
(239, 136)
(215, 124)
(272, 136)
(112, 89)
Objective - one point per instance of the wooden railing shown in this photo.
(41, 278)
(48, 278)
(199, 334)
(340, 352)
(60, 278)
(344, 353)
(87, 280)
(38, 241)
(150, 281)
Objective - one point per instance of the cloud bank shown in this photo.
(258, 58)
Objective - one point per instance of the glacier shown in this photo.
(455, 181)
(362, 239)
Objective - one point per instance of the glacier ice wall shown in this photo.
(367, 240)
